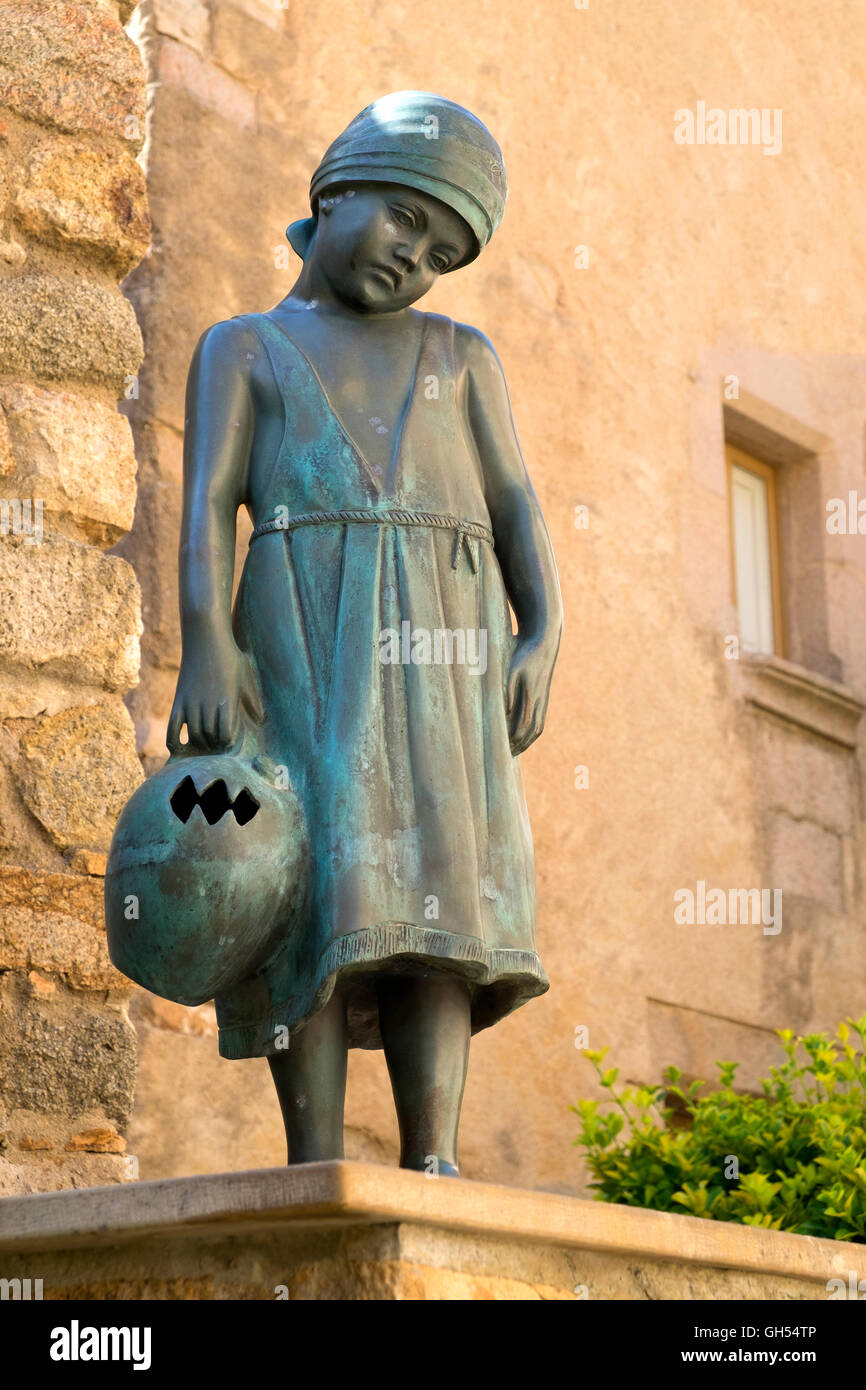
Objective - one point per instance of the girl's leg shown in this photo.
(425, 1026)
(310, 1077)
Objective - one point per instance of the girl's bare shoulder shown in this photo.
(475, 356)
(231, 348)
(472, 347)
(234, 340)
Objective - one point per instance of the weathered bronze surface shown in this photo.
(340, 853)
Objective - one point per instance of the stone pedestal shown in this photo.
(361, 1231)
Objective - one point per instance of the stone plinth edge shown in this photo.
(318, 1195)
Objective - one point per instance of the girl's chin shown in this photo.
(363, 302)
(372, 293)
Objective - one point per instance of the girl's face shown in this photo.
(381, 246)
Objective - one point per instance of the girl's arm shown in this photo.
(522, 544)
(216, 678)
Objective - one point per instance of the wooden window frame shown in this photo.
(750, 464)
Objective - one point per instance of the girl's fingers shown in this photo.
(513, 684)
(536, 726)
(526, 731)
(193, 724)
(518, 705)
(226, 721)
(175, 724)
(210, 725)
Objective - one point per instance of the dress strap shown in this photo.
(464, 531)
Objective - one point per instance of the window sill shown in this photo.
(824, 707)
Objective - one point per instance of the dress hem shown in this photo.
(502, 978)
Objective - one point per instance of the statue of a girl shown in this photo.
(371, 646)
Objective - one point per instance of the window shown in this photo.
(755, 562)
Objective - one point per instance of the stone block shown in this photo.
(810, 976)
(188, 21)
(74, 453)
(40, 987)
(22, 839)
(804, 776)
(150, 1009)
(13, 253)
(236, 1109)
(54, 1171)
(273, 13)
(694, 1041)
(70, 1056)
(69, 612)
(177, 296)
(7, 458)
(77, 770)
(54, 924)
(265, 61)
(159, 507)
(54, 328)
(805, 861)
(97, 1141)
(77, 195)
(71, 66)
(207, 84)
(85, 861)
(360, 1232)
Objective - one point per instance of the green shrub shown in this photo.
(800, 1148)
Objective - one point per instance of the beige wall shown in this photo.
(705, 262)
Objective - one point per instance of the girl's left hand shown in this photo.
(527, 693)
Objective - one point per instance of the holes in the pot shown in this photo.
(214, 802)
(245, 807)
(183, 799)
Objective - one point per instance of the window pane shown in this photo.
(752, 560)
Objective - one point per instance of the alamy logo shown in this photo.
(22, 517)
(737, 126)
(76, 1343)
(714, 907)
(854, 1289)
(20, 1290)
(846, 518)
(444, 646)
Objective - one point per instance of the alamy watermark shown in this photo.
(22, 516)
(77, 1343)
(20, 1290)
(714, 907)
(714, 125)
(443, 646)
(854, 1288)
(846, 517)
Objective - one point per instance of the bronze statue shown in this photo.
(369, 674)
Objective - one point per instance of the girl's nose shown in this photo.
(407, 254)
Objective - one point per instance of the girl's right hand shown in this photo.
(213, 687)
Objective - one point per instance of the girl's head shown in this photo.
(414, 187)
(382, 245)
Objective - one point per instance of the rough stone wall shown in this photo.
(699, 263)
(73, 222)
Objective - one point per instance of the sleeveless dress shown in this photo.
(421, 850)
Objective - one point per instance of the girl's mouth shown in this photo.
(393, 276)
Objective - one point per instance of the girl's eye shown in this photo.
(402, 217)
(439, 263)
